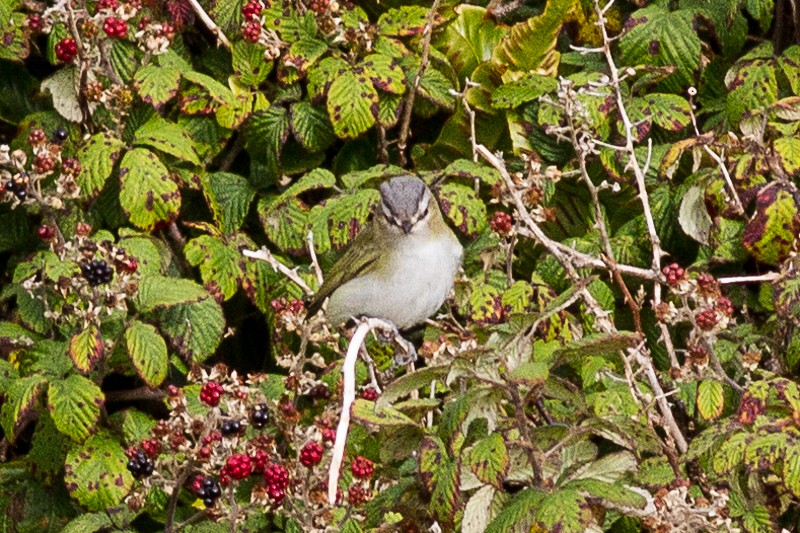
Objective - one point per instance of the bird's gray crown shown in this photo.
(404, 199)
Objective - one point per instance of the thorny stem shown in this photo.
(173, 498)
(408, 105)
(210, 24)
(523, 427)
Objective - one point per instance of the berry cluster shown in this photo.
(97, 272)
(18, 186)
(43, 163)
(66, 50)
(115, 28)
(252, 31)
(320, 391)
(107, 4)
(501, 223)
(707, 285)
(260, 460)
(252, 10)
(362, 468)
(370, 394)
(259, 416)
(238, 466)
(706, 320)
(674, 274)
(357, 495)
(207, 489)
(277, 479)
(139, 465)
(36, 137)
(311, 454)
(35, 22)
(211, 393)
(724, 306)
(71, 167)
(318, 6)
(231, 427)
(46, 232)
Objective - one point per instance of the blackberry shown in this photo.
(140, 466)
(18, 189)
(209, 491)
(211, 393)
(60, 135)
(97, 272)
(231, 427)
(260, 416)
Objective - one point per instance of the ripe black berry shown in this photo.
(60, 135)
(97, 272)
(260, 416)
(208, 489)
(230, 427)
(140, 466)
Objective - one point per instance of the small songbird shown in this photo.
(400, 267)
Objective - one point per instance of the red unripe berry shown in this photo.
(71, 167)
(45, 232)
(260, 460)
(277, 479)
(252, 31)
(107, 4)
(318, 6)
(238, 466)
(311, 454)
(151, 447)
(674, 274)
(43, 163)
(251, 10)
(35, 22)
(66, 50)
(706, 320)
(328, 435)
(370, 394)
(724, 306)
(211, 393)
(173, 391)
(357, 495)
(501, 223)
(115, 28)
(36, 137)
(362, 468)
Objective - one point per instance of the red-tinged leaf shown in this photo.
(489, 460)
(86, 348)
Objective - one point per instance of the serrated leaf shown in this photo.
(518, 92)
(221, 264)
(610, 492)
(693, 216)
(389, 110)
(531, 374)
(311, 127)
(365, 411)
(483, 303)
(598, 344)
(771, 233)
(435, 88)
(788, 151)
(661, 37)
(710, 399)
(464, 168)
(194, 329)
(148, 352)
(384, 73)
(352, 105)
(74, 404)
(89, 523)
(20, 400)
(322, 75)
(248, 63)
(285, 223)
(789, 61)
(48, 450)
(305, 52)
(268, 130)
(477, 511)
(470, 39)
(86, 348)
(97, 158)
(462, 206)
(489, 460)
(96, 475)
(160, 291)
(446, 496)
(342, 218)
(216, 90)
(63, 86)
(517, 298)
(168, 137)
(157, 84)
(787, 108)
(791, 469)
(147, 194)
(229, 197)
(410, 382)
(669, 111)
(517, 515)
(786, 297)
(405, 21)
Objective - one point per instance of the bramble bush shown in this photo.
(621, 347)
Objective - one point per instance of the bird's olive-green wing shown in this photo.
(362, 254)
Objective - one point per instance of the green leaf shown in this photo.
(229, 197)
(531, 374)
(86, 348)
(669, 111)
(221, 264)
(148, 352)
(710, 399)
(167, 137)
(598, 344)
(409, 383)
(751, 84)
(463, 208)
(89, 523)
(304, 53)
(404, 22)
(385, 73)
(285, 223)
(770, 234)
(352, 105)
(268, 129)
(489, 460)
(195, 329)
(20, 401)
(249, 64)
(336, 223)
(464, 168)
(788, 151)
(367, 413)
(157, 84)
(160, 291)
(48, 450)
(517, 514)
(786, 296)
(311, 127)
(96, 475)
(470, 39)
(517, 297)
(789, 61)
(97, 158)
(216, 90)
(147, 194)
(610, 492)
(791, 469)
(527, 89)
(435, 88)
(323, 74)
(663, 38)
(75, 404)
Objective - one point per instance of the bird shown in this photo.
(400, 267)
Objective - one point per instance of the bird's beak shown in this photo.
(407, 227)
